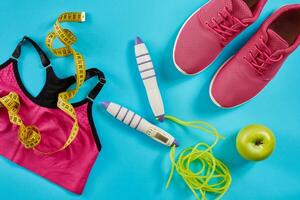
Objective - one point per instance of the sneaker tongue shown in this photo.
(276, 42)
(239, 9)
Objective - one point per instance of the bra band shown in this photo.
(17, 52)
(101, 81)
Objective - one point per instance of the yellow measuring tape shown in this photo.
(29, 136)
(200, 170)
(66, 37)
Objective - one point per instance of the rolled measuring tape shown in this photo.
(29, 136)
(67, 38)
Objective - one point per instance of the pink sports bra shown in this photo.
(69, 168)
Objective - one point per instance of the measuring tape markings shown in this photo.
(68, 39)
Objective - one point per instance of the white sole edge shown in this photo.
(212, 82)
(175, 44)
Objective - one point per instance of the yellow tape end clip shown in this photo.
(82, 16)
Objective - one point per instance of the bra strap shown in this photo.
(95, 91)
(17, 52)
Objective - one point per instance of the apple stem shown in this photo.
(258, 142)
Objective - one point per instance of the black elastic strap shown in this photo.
(44, 58)
(92, 73)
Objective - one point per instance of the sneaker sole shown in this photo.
(212, 82)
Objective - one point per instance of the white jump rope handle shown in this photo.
(148, 76)
(135, 121)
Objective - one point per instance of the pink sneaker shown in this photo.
(210, 29)
(256, 64)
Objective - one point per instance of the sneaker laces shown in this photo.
(224, 28)
(263, 59)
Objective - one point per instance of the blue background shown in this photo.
(130, 165)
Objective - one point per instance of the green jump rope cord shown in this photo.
(213, 177)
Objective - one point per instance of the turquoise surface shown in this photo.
(130, 165)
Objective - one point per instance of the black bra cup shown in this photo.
(54, 85)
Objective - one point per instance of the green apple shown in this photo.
(255, 142)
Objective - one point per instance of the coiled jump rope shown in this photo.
(212, 175)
